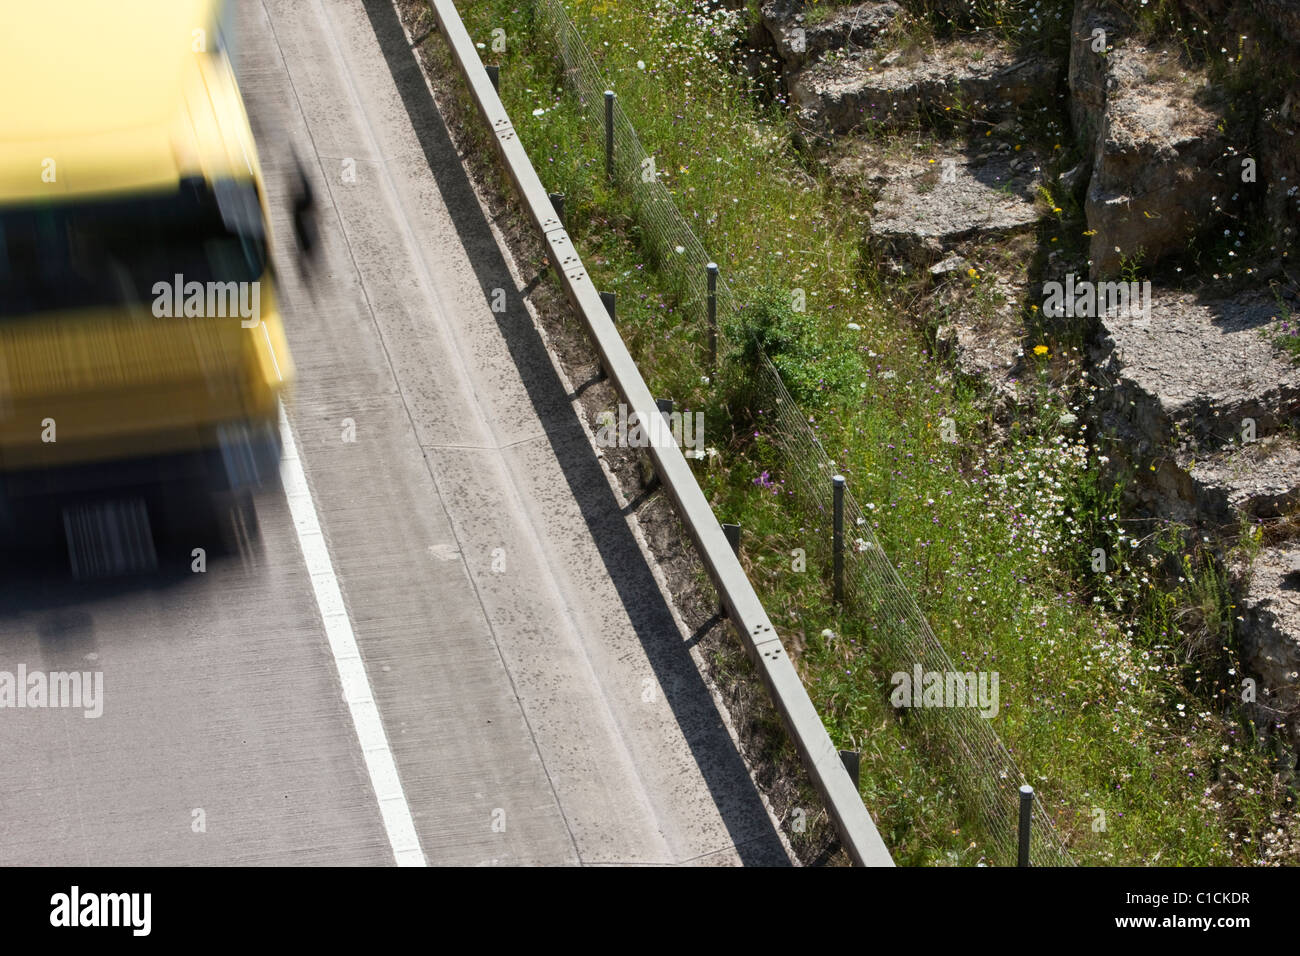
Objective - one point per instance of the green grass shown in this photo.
(1286, 330)
(1289, 339)
(1100, 707)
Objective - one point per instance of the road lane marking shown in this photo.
(347, 657)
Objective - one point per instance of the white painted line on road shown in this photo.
(347, 658)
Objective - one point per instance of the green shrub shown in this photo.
(815, 364)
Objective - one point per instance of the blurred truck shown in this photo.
(142, 355)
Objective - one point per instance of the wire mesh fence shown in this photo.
(958, 738)
(664, 229)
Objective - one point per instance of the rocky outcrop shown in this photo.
(984, 344)
(1197, 408)
(1195, 398)
(1156, 151)
(1258, 479)
(1270, 644)
(1200, 407)
(800, 37)
(1279, 169)
(1284, 15)
(1192, 377)
(949, 197)
(929, 205)
(840, 95)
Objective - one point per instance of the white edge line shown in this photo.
(347, 658)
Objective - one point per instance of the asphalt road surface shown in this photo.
(447, 645)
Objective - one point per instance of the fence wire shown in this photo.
(959, 738)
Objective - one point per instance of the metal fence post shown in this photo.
(608, 299)
(557, 200)
(732, 531)
(853, 764)
(837, 537)
(654, 431)
(712, 269)
(662, 433)
(494, 74)
(1026, 816)
(609, 135)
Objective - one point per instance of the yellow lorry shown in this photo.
(142, 353)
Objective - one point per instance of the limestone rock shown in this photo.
(1259, 479)
(799, 38)
(929, 204)
(1271, 638)
(1193, 372)
(1156, 149)
(838, 95)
